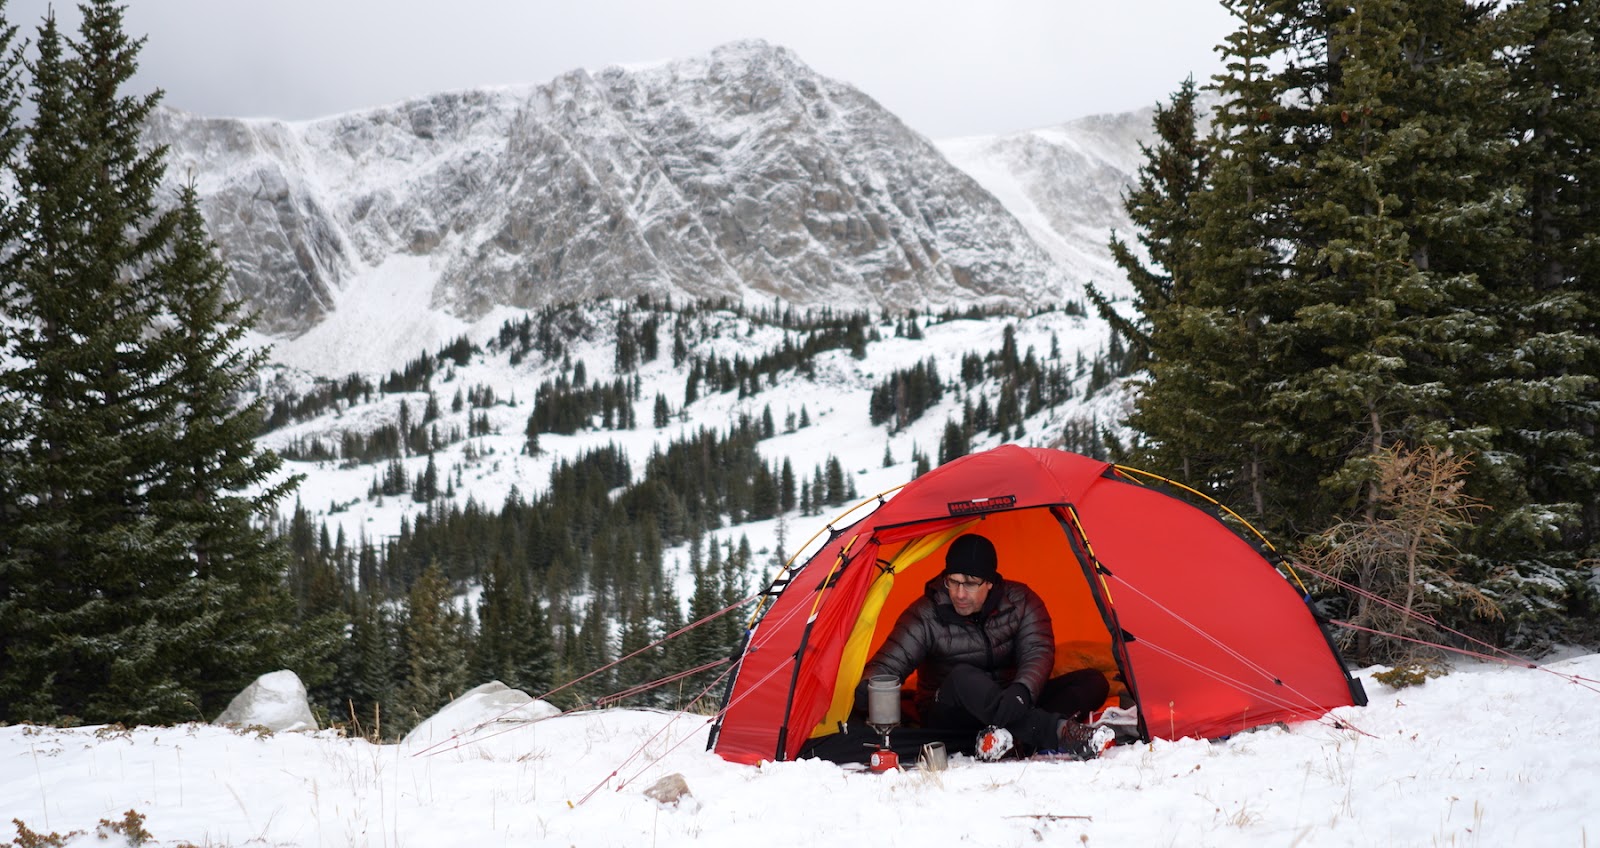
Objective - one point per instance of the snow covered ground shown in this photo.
(1491, 755)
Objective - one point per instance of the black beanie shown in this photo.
(972, 555)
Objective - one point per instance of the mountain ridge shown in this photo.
(741, 172)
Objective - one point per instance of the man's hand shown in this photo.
(1014, 702)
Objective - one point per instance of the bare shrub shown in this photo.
(1401, 549)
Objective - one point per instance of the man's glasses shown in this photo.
(956, 585)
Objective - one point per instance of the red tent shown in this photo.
(1204, 635)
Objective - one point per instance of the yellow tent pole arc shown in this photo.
(1219, 505)
(1088, 547)
(788, 566)
(822, 589)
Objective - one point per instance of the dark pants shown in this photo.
(968, 697)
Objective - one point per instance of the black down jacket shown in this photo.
(1009, 637)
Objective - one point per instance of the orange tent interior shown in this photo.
(1033, 548)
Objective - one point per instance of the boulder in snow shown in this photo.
(276, 701)
(670, 790)
(487, 708)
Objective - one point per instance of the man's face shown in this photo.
(967, 593)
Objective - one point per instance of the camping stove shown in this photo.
(883, 715)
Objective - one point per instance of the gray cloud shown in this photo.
(947, 68)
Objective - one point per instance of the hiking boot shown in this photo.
(993, 744)
(1082, 742)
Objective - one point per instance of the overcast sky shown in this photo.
(947, 68)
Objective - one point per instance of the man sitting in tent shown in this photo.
(983, 649)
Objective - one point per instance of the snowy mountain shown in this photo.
(741, 172)
(1065, 185)
(369, 239)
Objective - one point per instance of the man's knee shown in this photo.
(1092, 683)
(1076, 693)
(965, 686)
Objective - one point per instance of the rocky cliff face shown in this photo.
(740, 172)
(1065, 184)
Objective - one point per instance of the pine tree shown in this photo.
(590, 653)
(363, 690)
(13, 436)
(513, 644)
(1175, 170)
(212, 462)
(1366, 275)
(436, 657)
(838, 493)
(1541, 393)
(955, 443)
(142, 592)
(786, 490)
(1200, 409)
(647, 665)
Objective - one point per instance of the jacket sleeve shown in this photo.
(1035, 646)
(906, 647)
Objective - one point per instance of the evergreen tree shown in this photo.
(955, 443)
(213, 460)
(1198, 410)
(703, 644)
(837, 491)
(1175, 170)
(1545, 406)
(139, 591)
(13, 436)
(786, 491)
(513, 644)
(363, 689)
(436, 669)
(590, 652)
(1383, 252)
(639, 630)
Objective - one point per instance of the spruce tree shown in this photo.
(91, 552)
(140, 588)
(363, 690)
(1541, 394)
(1175, 170)
(13, 437)
(436, 654)
(212, 462)
(1200, 412)
(513, 644)
(1387, 253)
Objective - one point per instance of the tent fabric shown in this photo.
(1208, 636)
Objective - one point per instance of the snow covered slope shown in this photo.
(1065, 184)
